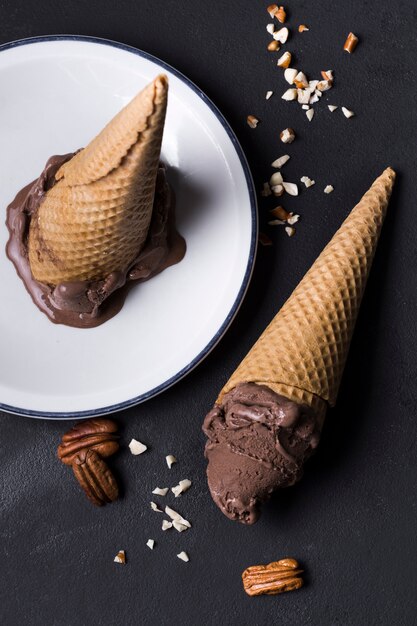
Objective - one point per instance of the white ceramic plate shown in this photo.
(56, 93)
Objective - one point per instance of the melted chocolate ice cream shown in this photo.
(257, 442)
(85, 304)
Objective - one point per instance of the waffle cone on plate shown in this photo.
(302, 353)
(95, 219)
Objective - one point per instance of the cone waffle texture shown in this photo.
(302, 353)
(95, 219)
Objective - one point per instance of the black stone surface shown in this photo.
(352, 520)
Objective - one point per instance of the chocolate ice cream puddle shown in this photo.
(86, 304)
(258, 442)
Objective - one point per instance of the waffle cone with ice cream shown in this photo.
(267, 419)
(302, 353)
(95, 219)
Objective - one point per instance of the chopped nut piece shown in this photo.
(290, 94)
(160, 492)
(268, 95)
(155, 507)
(305, 107)
(183, 556)
(273, 46)
(272, 10)
(136, 447)
(281, 15)
(347, 113)
(270, 28)
(324, 85)
(302, 28)
(291, 188)
(281, 35)
(327, 75)
(277, 190)
(310, 114)
(150, 543)
(277, 223)
(307, 181)
(350, 43)
(266, 191)
(287, 135)
(313, 84)
(273, 578)
(331, 107)
(176, 516)
(280, 213)
(264, 240)
(290, 75)
(303, 96)
(328, 189)
(314, 98)
(318, 93)
(120, 557)
(301, 79)
(252, 121)
(284, 60)
(293, 219)
(166, 525)
(290, 230)
(280, 161)
(170, 459)
(179, 526)
(182, 486)
(276, 179)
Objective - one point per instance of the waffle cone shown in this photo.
(302, 353)
(95, 219)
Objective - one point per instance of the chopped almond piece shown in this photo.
(350, 43)
(347, 113)
(287, 135)
(281, 15)
(302, 28)
(252, 121)
(327, 75)
(281, 35)
(290, 231)
(273, 46)
(268, 95)
(280, 213)
(280, 161)
(284, 60)
(272, 10)
(290, 75)
(310, 114)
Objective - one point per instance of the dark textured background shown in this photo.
(352, 520)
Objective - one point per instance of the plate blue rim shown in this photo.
(252, 252)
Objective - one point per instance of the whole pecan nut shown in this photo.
(95, 478)
(96, 434)
(273, 578)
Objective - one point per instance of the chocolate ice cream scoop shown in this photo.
(257, 442)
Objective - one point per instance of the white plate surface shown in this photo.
(55, 95)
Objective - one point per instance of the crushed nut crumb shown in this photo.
(252, 121)
(328, 189)
(120, 557)
(347, 113)
(350, 43)
(183, 556)
(150, 543)
(136, 447)
(170, 459)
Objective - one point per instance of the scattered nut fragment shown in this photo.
(136, 447)
(332, 107)
(272, 10)
(155, 507)
(290, 94)
(324, 85)
(176, 517)
(301, 80)
(273, 46)
(183, 556)
(264, 240)
(268, 95)
(290, 74)
(287, 135)
(281, 35)
(291, 188)
(313, 84)
(270, 28)
(305, 107)
(303, 96)
(95, 434)
(276, 223)
(271, 579)
(281, 15)
(347, 113)
(120, 557)
(182, 486)
(252, 121)
(327, 75)
(328, 189)
(179, 526)
(266, 190)
(302, 28)
(166, 525)
(277, 190)
(276, 179)
(170, 459)
(158, 491)
(293, 219)
(280, 161)
(350, 43)
(290, 231)
(314, 98)
(310, 114)
(150, 543)
(284, 60)
(280, 213)
(307, 181)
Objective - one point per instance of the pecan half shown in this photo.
(96, 434)
(95, 478)
(273, 578)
